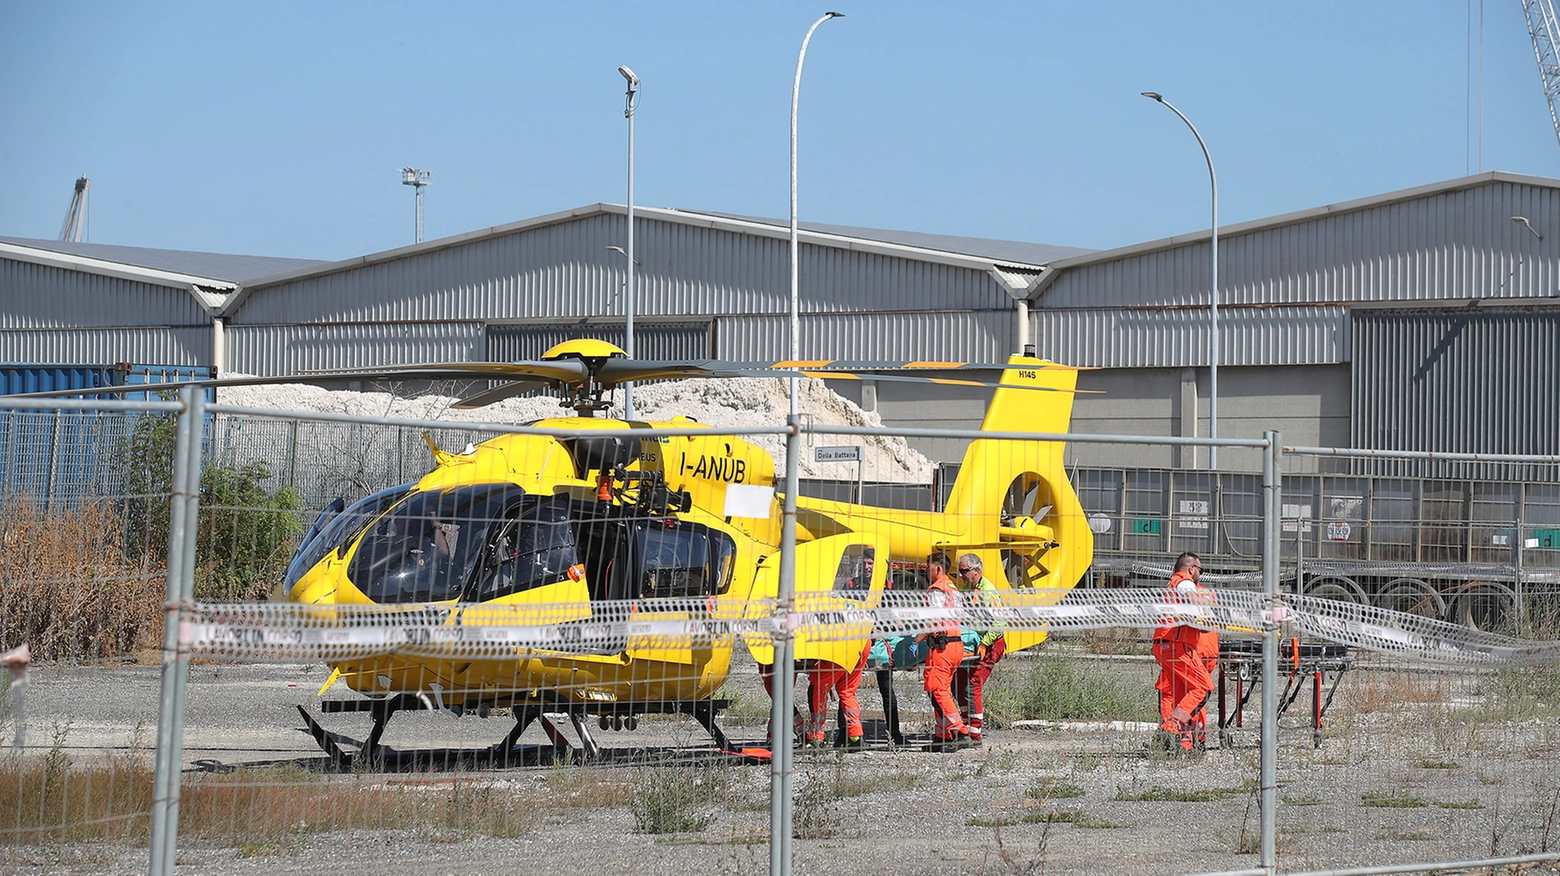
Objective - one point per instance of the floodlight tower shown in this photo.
(415, 178)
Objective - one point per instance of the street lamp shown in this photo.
(796, 93)
(1213, 288)
(629, 101)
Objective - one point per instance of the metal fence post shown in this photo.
(781, 707)
(1272, 524)
(54, 462)
(1518, 547)
(165, 782)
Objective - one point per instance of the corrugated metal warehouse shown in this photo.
(1422, 319)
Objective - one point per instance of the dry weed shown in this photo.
(1389, 691)
(250, 808)
(68, 588)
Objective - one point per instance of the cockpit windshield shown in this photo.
(426, 548)
(340, 530)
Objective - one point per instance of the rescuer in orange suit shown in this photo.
(1186, 656)
(766, 674)
(945, 651)
(824, 677)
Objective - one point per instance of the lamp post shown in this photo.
(796, 93)
(629, 100)
(1213, 287)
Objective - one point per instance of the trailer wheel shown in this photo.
(1411, 596)
(1482, 605)
(1336, 587)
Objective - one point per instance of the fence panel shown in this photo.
(1438, 742)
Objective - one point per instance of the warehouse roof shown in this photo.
(1299, 216)
(229, 269)
(962, 251)
(1013, 251)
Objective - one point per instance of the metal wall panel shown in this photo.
(282, 349)
(43, 296)
(979, 336)
(652, 340)
(1483, 380)
(566, 271)
(1452, 244)
(1178, 338)
(170, 345)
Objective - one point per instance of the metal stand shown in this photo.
(1313, 662)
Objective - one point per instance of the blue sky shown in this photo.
(279, 128)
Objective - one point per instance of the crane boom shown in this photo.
(76, 216)
(1544, 30)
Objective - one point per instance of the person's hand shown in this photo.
(980, 652)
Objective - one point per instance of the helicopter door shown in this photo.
(828, 572)
(678, 562)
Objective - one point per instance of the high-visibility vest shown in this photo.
(942, 594)
(1206, 642)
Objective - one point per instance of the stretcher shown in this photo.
(899, 654)
(1323, 664)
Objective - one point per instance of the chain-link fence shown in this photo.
(566, 673)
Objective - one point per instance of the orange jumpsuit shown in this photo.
(766, 674)
(825, 677)
(1186, 656)
(941, 663)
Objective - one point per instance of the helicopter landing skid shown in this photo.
(506, 753)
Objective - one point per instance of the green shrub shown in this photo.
(671, 799)
(1059, 686)
(246, 532)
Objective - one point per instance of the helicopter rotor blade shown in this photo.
(498, 394)
(618, 371)
(913, 365)
(555, 371)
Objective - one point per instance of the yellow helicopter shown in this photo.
(674, 527)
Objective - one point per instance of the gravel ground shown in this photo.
(1460, 782)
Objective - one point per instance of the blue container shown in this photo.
(62, 457)
(17, 379)
(136, 375)
(24, 378)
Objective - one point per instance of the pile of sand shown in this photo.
(729, 402)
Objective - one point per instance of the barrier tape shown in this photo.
(292, 632)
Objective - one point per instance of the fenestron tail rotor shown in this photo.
(1024, 508)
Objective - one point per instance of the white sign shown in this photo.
(850, 453)
(748, 500)
(1338, 531)
(1345, 507)
(1194, 514)
(1296, 518)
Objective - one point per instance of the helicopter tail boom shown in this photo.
(1016, 494)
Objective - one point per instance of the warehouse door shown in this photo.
(652, 340)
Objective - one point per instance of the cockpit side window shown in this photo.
(532, 546)
(683, 560)
(853, 577)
